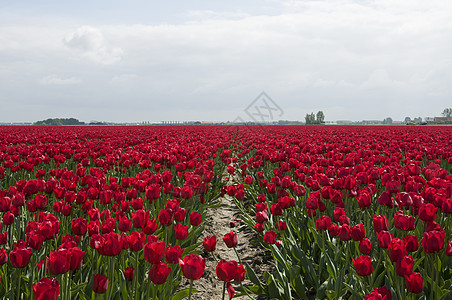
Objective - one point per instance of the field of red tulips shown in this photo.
(119, 212)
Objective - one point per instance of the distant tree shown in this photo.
(447, 112)
(407, 120)
(320, 117)
(418, 120)
(310, 119)
(388, 120)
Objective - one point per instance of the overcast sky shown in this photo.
(142, 60)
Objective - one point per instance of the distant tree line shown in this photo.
(318, 118)
(59, 121)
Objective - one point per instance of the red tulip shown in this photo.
(79, 226)
(124, 224)
(411, 242)
(193, 266)
(261, 217)
(20, 255)
(75, 258)
(414, 283)
(139, 218)
(110, 244)
(403, 222)
(240, 273)
(365, 246)
(3, 256)
(58, 262)
(230, 239)
(46, 289)
(100, 283)
(270, 237)
(226, 270)
(323, 223)
(181, 231)
(195, 218)
(363, 265)
(344, 232)
(396, 249)
(151, 227)
(173, 254)
(136, 241)
(404, 266)
(433, 241)
(427, 212)
(380, 223)
(384, 238)
(159, 272)
(128, 273)
(210, 243)
(448, 250)
(153, 251)
(358, 232)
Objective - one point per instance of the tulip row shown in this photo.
(107, 211)
(364, 213)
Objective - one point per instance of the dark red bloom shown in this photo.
(173, 254)
(323, 223)
(380, 223)
(159, 272)
(195, 218)
(75, 258)
(270, 237)
(414, 283)
(403, 222)
(193, 266)
(110, 244)
(411, 242)
(365, 246)
(396, 249)
(165, 216)
(58, 262)
(449, 249)
(344, 232)
(404, 266)
(153, 251)
(363, 265)
(230, 239)
(427, 212)
(139, 218)
(181, 231)
(358, 232)
(151, 226)
(124, 224)
(225, 270)
(79, 226)
(281, 225)
(46, 289)
(100, 283)
(261, 216)
(433, 241)
(3, 256)
(128, 273)
(210, 243)
(384, 238)
(240, 273)
(20, 255)
(136, 241)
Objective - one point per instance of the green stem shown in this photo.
(238, 257)
(224, 288)
(189, 291)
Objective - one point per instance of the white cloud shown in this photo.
(56, 80)
(91, 42)
(310, 55)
